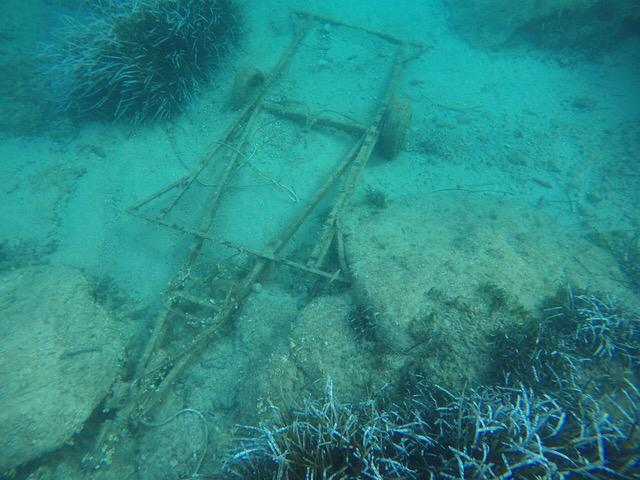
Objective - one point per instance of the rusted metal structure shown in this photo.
(199, 306)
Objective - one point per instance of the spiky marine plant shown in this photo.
(552, 423)
(144, 60)
(327, 439)
(502, 432)
(579, 330)
(483, 434)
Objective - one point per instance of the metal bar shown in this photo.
(286, 235)
(342, 257)
(245, 249)
(321, 248)
(340, 23)
(159, 193)
(305, 118)
(214, 201)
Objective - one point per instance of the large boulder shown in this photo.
(578, 24)
(440, 275)
(323, 344)
(60, 354)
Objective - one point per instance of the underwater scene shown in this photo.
(320, 240)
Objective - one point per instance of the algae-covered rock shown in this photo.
(580, 24)
(322, 345)
(441, 274)
(60, 354)
(325, 345)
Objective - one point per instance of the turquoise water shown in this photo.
(397, 240)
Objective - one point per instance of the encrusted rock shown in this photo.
(60, 354)
(440, 274)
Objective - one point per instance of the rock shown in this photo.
(592, 25)
(325, 345)
(441, 274)
(60, 354)
(322, 345)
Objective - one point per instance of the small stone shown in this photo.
(323, 64)
(256, 287)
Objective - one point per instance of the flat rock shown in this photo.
(324, 345)
(440, 274)
(556, 23)
(60, 354)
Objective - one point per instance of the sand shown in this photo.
(547, 140)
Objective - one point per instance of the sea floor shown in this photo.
(551, 146)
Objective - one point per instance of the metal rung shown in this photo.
(182, 295)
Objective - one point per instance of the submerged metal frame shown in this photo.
(153, 377)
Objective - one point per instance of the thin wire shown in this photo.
(205, 430)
